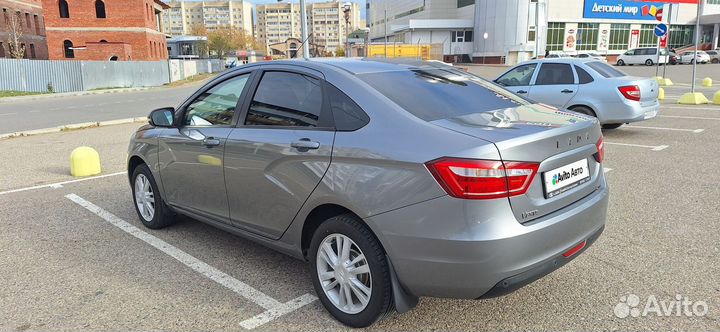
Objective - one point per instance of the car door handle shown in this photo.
(567, 91)
(210, 142)
(305, 144)
(522, 92)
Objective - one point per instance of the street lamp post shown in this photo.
(346, 10)
(303, 30)
(485, 37)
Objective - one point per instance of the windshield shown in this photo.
(604, 69)
(433, 94)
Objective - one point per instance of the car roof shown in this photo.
(357, 66)
(562, 60)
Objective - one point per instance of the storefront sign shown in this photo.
(634, 39)
(622, 10)
(570, 38)
(604, 37)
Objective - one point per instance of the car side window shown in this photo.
(583, 76)
(554, 74)
(286, 99)
(518, 76)
(630, 52)
(347, 114)
(216, 106)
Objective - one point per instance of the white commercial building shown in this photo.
(510, 31)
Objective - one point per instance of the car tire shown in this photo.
(620, 63)
(149, 205)
(611, 125)
(715, 61)
(376, 281)
(692, 61)
(648, 62)
(584, 110)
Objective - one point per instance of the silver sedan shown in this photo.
(585, 86)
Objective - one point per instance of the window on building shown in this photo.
(647, 36)
(114, 58)
(555, 36)
(103, 41)
(24, 50)
(587, 36)
(27, 20)
(465, 3)
(37, 24)
(619, 37)
(32, 51)
(2, 50)
(462, 36)
(713, 2)
(64, 10)
(680, 35)
(100, 9)
(68, 47)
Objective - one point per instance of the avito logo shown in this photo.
(557, 178)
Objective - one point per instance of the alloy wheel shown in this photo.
(144, 197)
(344, 273)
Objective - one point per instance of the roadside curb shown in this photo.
(73, 94)
(71, 127)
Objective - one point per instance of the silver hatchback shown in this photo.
(586, 86)
(393, 180)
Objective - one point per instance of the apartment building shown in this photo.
(182, 16)
(29, 26)
(328, 24)
(115, 30)
(276, 23)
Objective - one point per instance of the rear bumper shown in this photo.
(448, 247)
(510, 284)
(630, 112)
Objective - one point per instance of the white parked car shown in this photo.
(644, 55)
(592, 56)
(691, 56)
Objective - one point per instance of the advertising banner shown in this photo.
(622, 10)
(570, 38)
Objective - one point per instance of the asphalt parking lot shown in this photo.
(73, 254)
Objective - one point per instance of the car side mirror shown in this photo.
(162, 117)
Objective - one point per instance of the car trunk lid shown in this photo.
(542, 134)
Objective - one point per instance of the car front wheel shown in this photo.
(620, 63)
(149, 206)
(350, 271)
(648, 62)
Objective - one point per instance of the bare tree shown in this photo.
(14, 25)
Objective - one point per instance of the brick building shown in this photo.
(29, 16)
(118, 30)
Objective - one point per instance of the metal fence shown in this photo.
(68, 76)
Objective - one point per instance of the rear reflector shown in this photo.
(482, 179)
(631, 92)
(600, 155)
(575, 249)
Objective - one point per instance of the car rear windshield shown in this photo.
(433, 94)
(604, 69)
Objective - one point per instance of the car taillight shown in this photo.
(600, 155)
(482, 179)
(631, 92)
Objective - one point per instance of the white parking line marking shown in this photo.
(276, 312)
(59, 184)
(1, 114)
(651, 147)
(605, 170)
(695, 131)
(684, 108)
(274, 308)
(687, 117)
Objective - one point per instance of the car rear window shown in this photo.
(434, 94)
(604, 69)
